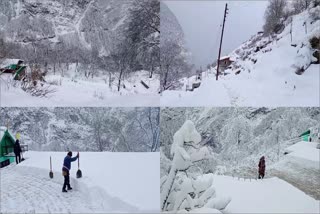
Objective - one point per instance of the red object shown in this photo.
(7, 70)
(262, 166)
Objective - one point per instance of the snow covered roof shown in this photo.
(224, 57)
(2, 130)
(7, 62)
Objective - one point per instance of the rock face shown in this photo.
(92, 24)
(170, 28)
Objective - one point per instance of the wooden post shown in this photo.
(224, 20)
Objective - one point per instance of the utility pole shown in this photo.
(291, 30)
(224, 20)
(305, 24)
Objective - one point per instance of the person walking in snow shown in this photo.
(65, 170)
(262, 167)
(17, 151)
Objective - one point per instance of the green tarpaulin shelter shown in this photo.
(6, 145)
(18, 72)
(306, 135)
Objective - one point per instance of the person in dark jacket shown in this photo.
(262, 167)
(65, 170)
(17, 151)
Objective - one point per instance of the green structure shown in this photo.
(19, 73)
(311, 135)
(305, 136)
(7, 142)
(18, 70)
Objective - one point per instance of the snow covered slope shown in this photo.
(171, 30)
(75, 91)
(267, 72)
(111, 182)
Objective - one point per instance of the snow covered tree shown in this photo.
(274, 15)
(144, 32)
(122, 57)
(300, 5)
(182, 189)
(172, 64)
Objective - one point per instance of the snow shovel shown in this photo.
(50, 173)
(79, 173)
(22, 159)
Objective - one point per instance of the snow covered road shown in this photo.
(304, 178)
(301, 168)
(245, 90)
(28, 190)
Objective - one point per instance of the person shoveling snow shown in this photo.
(65, 170)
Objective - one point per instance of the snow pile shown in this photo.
(267, 196)
(183, 189)
(115, 187)
(264, 72)
(305, 150)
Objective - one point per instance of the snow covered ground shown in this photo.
(301, 168)
(111, 182)
(305, 150)
(264, 196)
(297, 180)
(73, 90)
(291, 184)
(267, 76)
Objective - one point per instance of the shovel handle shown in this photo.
(50, 164)
(78, 163)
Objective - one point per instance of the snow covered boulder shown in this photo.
(201, 210)
(218, 203)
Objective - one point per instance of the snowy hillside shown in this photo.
(85, 129)
(173, 51)
(170, 27)
(87, 23)
(88, 53)
(267, 71)
(122, 185)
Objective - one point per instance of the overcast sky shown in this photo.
(201, 20)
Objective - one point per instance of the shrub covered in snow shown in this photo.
(182, 188)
